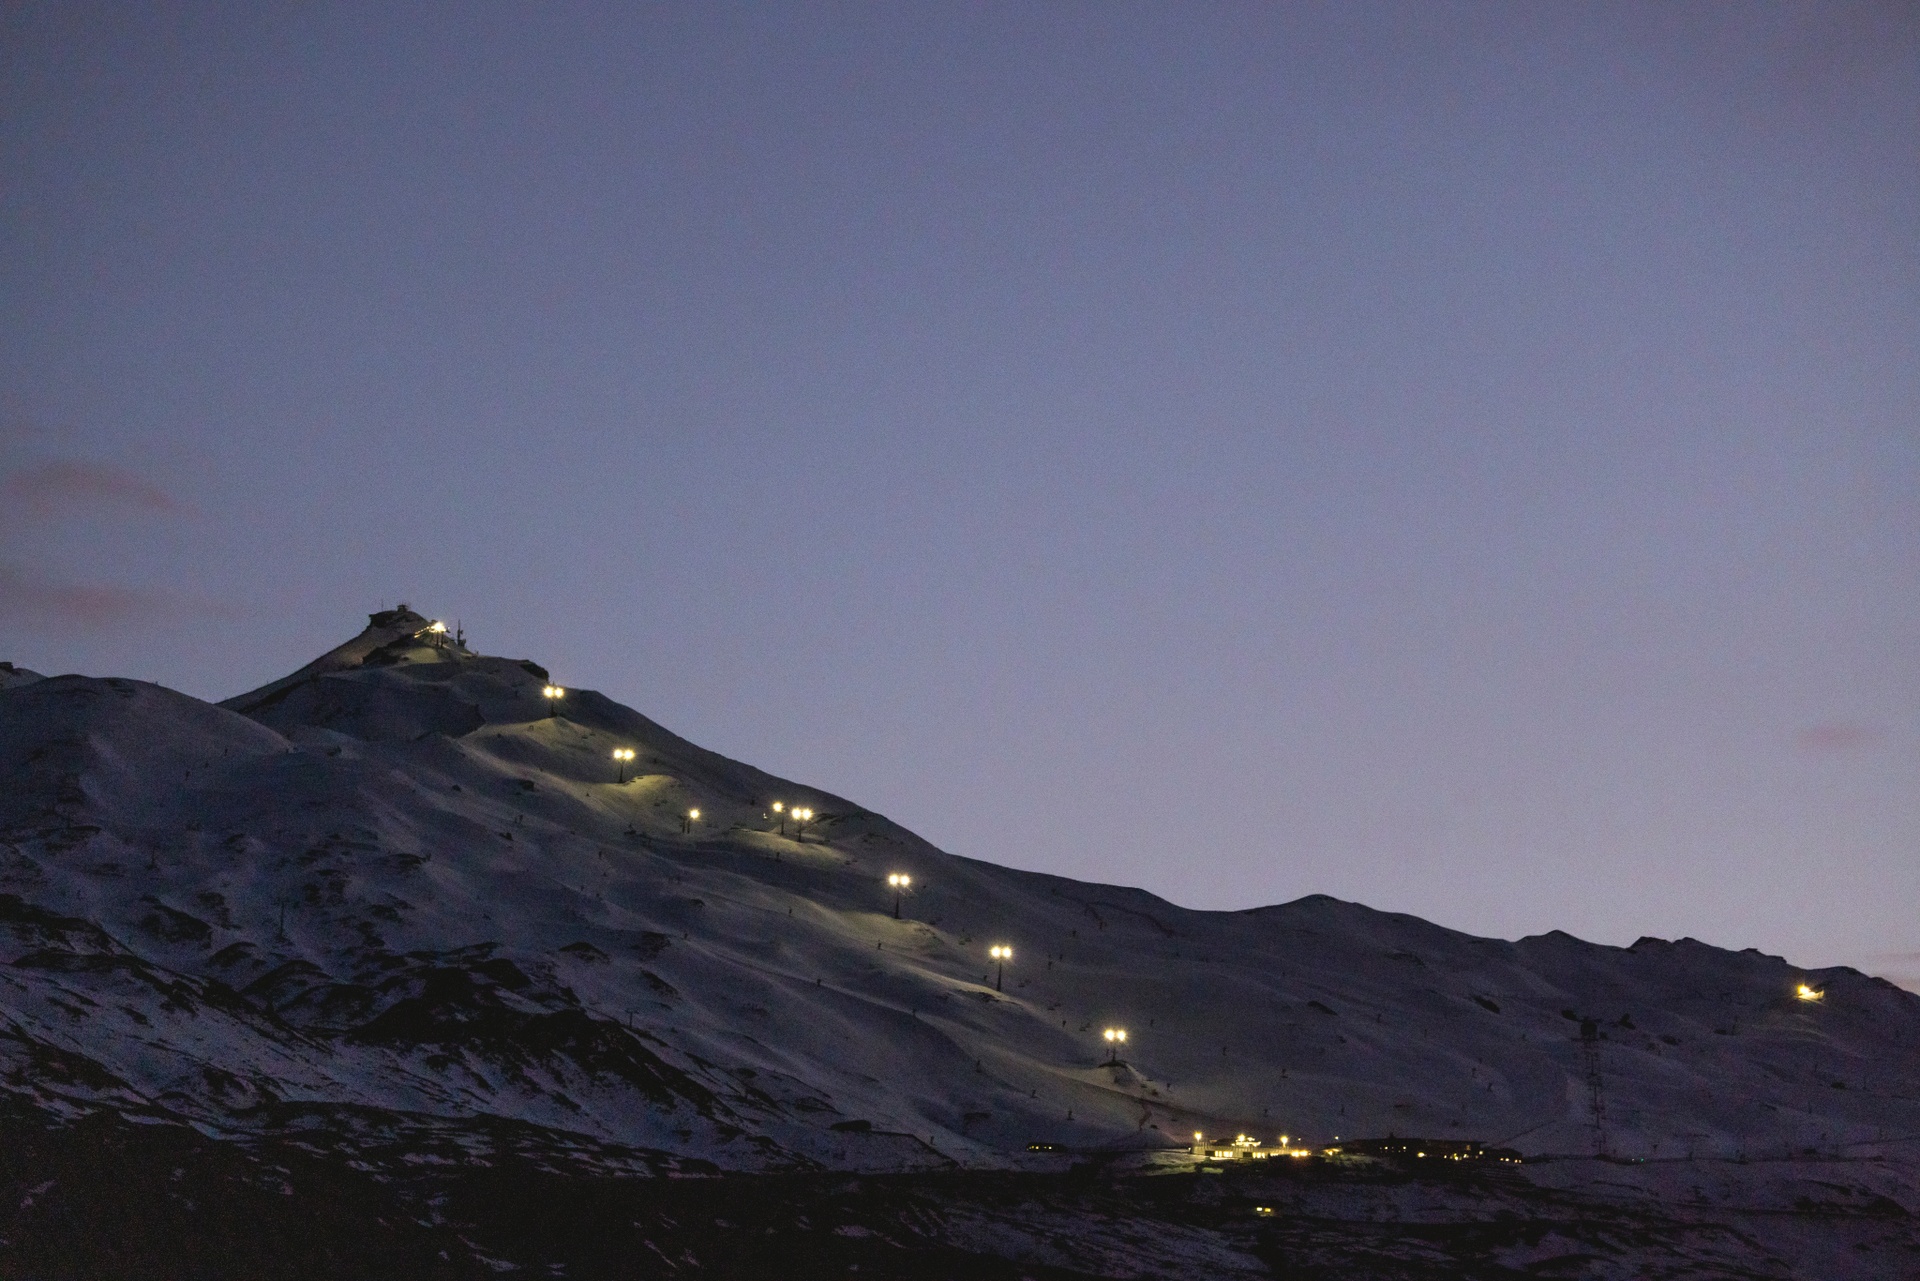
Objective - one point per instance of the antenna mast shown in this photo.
(1596, 1104)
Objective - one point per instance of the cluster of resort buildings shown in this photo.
(1245, 1147)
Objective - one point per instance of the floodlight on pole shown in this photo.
(686, 824)
(553, 694)
(801, 817)
(1001, 954)
(780, 808)
(899, 881)
(1116, 1037)
(623, 755)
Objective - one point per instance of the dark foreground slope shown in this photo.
(100, 1197)
(388, 915)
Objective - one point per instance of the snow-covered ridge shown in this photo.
(393, 891)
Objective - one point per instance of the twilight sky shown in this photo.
(1463, 458)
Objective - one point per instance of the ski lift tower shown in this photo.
(1596, 1104)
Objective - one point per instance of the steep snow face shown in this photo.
(397, 890)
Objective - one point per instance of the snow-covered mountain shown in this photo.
(401, 879)
(402, 897)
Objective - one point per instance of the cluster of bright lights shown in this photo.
(1806, 993)
(1118, 1036)
(438, 628)
(900, 881)
(1245, 1145)
(1000, 952)
(803, 815)
(621, 756)
(553, 693)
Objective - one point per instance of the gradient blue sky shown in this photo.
(1463, 458)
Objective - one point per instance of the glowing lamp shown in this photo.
(1001, 954)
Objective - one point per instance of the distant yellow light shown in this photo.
(438, 629)
(1197, 1136)
(553, 691)
(1806, 993)
(778, 806)
(899, 880)
(1118, 1036)
(623, 753)
(999, 952)
(694, 815)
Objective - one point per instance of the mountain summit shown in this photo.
(405, 898)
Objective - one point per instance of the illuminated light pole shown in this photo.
(553, 694)
(780, 808)
(900, 881)
(801, 817)
(1001, 955)
(1805, 993)
(686, 824)
(1116, 1037)
(623, 755)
